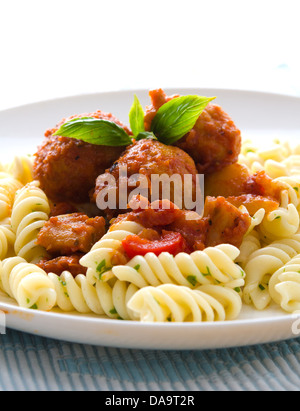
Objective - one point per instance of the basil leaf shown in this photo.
(177, 117)
(136, 117)
(95, 131)
(147, 135)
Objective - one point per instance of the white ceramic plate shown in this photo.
(258, 115)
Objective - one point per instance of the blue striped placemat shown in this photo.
(31, 363)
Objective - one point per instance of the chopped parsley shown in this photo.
(243, 272)
(192, 279)
(208, 272)
(102, 268)
(113, 311)
(63, 283)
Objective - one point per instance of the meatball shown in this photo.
(57, 209)
(67, 168)
(147, 158)
(71, 233)
(213, 143)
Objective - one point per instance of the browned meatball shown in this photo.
(148, 157)
(67, 168)
(57, 209)
(213, 143)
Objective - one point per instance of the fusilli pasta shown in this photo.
(262, 264)
(30, 211)
(103, 298)
(173, 303)
(214, 265)
(8, 188)
(21, 168)
(251, 243)
(7, 240)
(28, 284)
(284, 286)
(108, 251)
(280, 223)
(257, 159)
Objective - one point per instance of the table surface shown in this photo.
(52, 66)
(32, 363)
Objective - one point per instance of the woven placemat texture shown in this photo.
(32, 363)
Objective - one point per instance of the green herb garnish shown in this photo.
(113, 311)
(102, 268)
(192, 279)
(95, 131)
(172, 121)
(177, 117)
(136, 117)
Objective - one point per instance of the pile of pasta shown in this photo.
(205, 286)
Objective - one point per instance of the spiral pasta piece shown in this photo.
(262, 264)
(255, 220)
(8, 188)
(30, 211)
(249, 156)
(108, 251)
(214, 265)
(28, 284)
(173, 303)
(7, 240)
(104, 298)
(250, 243)
(21, 168)
(284, 286)
(280, 223)
(292, 193)
(290, 166)
(257, 159)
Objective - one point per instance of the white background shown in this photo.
(59, 48)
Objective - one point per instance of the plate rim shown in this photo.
(89, 317)
(144, 90)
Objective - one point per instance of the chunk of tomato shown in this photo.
(170, 242)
